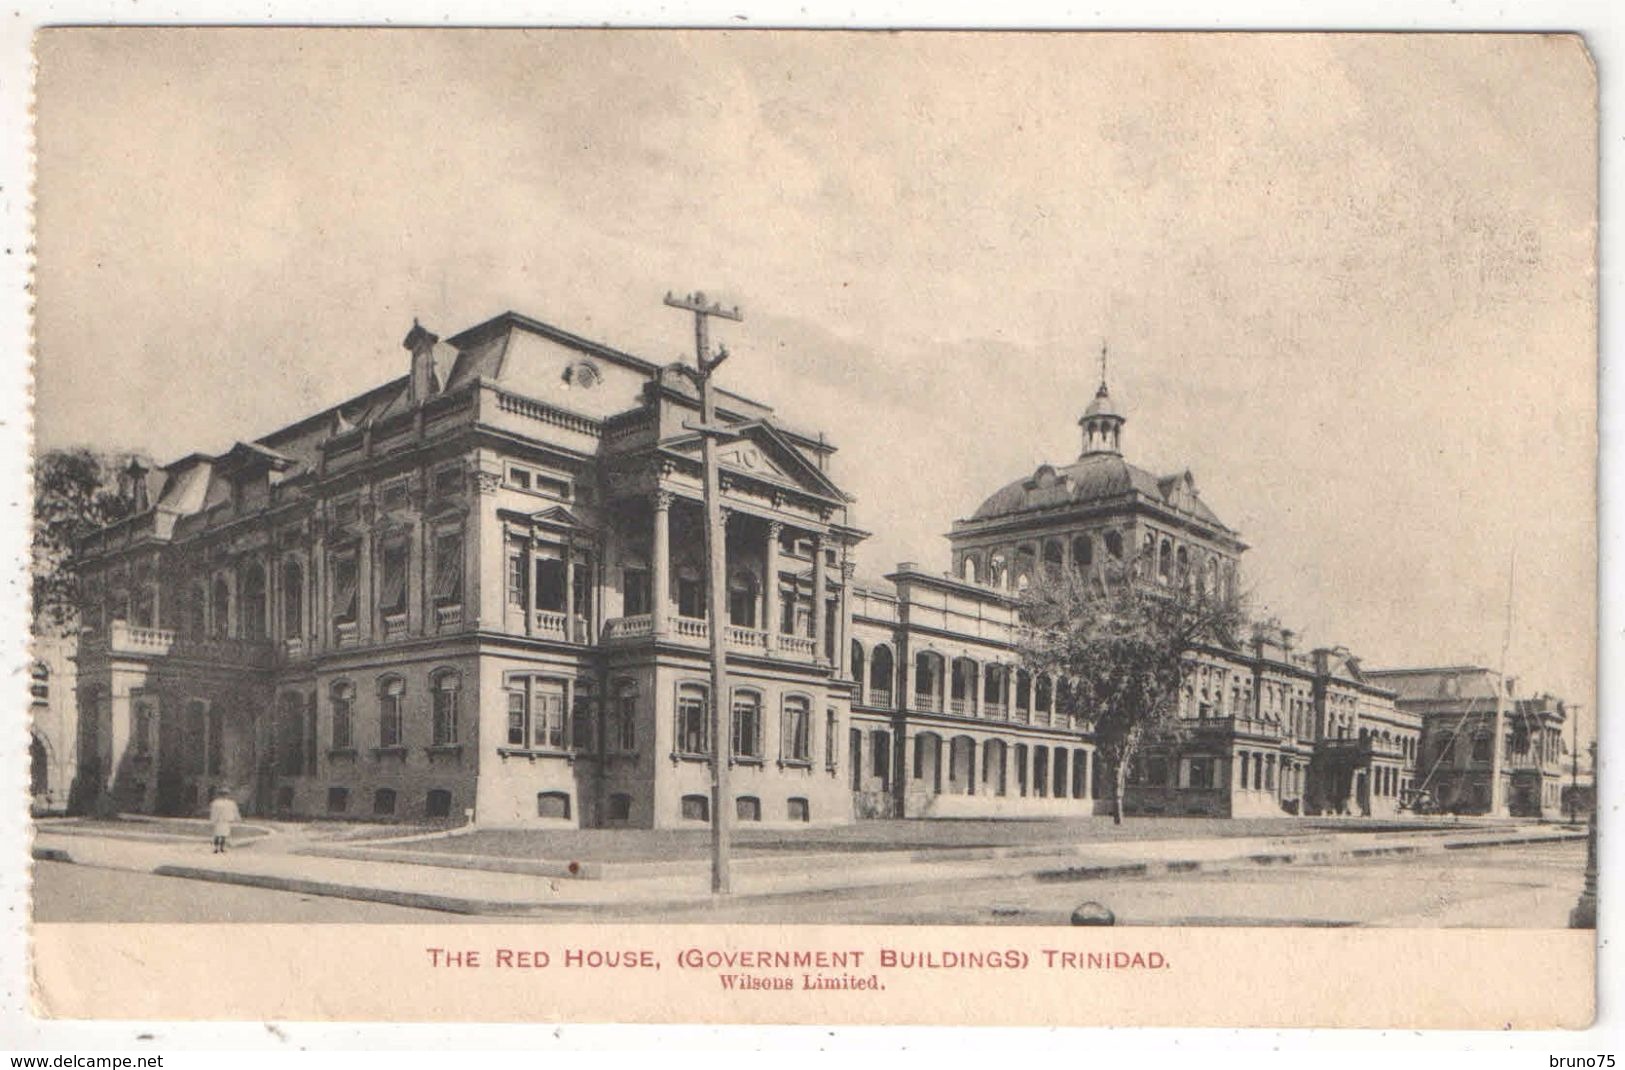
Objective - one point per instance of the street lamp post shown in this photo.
(716, 557)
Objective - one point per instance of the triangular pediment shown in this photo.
(760, 452)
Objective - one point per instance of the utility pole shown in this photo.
(1574, 766)
(1497, 743)
(716, 549)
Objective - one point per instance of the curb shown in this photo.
(51, 854)
(417, 900)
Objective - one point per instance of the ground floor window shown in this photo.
(748, 808)
(553, 804)
(338, 800)
(696, 808)
(620, 807)
(536, 712)
(798, 810)
(383, 801)
(693, 736)
(438, 803)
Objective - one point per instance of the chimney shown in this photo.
(137, 475)
(421, 343)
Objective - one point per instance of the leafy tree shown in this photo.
(1120, 636)
(76, 491)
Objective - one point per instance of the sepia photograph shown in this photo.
(1110, 488)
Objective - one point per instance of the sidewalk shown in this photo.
(438, 881)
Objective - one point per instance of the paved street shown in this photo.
(1528, 886)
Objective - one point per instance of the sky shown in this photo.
(1347, 281)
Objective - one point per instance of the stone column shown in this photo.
(820, 610)
(843, 640)
(977, 684)
(569, 590)
(660, 563)
(364, 607)
(770, 584)
(527, 590)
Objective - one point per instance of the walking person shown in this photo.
(223, 813)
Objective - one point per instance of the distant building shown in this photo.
(1456, 705)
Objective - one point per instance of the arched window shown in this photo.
(744, 595)
(1042, 694)
(998, 568)
(856, 666)
(221, 607)
(341, 697)
(993, 758)
(445, 685)
(881, 674)
(928, 680)
(1165, 561)
(293, 599)
(1024, 692)
(962, 686)
(746, 724)
(693, 729)
(1182, 565)
(1053, 558)
(1114, 545)
(253, 602)
(391, 696)
(1083, 552)
(970, 569)
(696, 808)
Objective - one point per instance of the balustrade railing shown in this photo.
(995, 711)
(550, 624)
(880, 696)
(691, 627)
(749, 638)
(630, 627)
(797, 644)
(448, 616)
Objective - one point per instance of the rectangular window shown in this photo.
(794, 744)
(518, 715)
(448, 568)
(448, 481)
(693, 735)
(547, 714)
(518, 578)
(392, 594)
(624, 737)
(344, 586)
(747, 725)
(520, 478)
(583, 723)
(550, 584)
(636, 584)
(830, 742)
(142, 730)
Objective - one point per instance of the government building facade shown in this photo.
(478, 592)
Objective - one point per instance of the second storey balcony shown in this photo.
(123, 639)
(696, 632)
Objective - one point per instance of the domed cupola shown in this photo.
(1102, 425)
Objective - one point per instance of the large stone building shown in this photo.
(480, 588)
(1456, 705)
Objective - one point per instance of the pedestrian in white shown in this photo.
(223, 813)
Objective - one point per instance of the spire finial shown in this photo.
(1103, 362)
